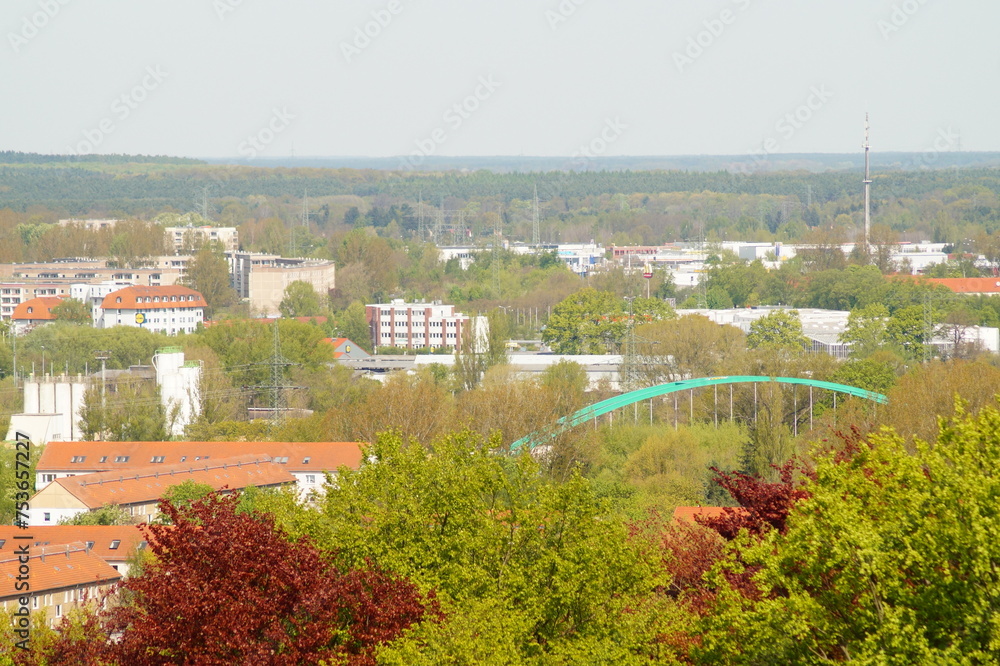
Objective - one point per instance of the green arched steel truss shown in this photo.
(625, 399)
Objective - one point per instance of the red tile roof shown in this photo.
(148, 484)
(102, 536)
(153, 298)
(686, 514)
(301, 456)
(40, 308)
(54, 568)
(988, 285)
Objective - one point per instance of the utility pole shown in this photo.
(103, 356)
(629, 378)
(13, 335)
(628, 374)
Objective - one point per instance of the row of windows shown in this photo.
(419, 323)
(403, 336)
(49, 478)
(156, 299)
(104, 459)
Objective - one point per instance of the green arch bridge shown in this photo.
(625, 399)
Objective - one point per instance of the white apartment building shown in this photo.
(415, 325)
(168, 310)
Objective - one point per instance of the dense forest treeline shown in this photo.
(77, 189)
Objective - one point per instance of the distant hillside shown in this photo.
(13, 157)
(812, 162)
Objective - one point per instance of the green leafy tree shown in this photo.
(889, 559)
(9, 479)
(183, 495)
(300, 300)
(718, 299)
(595, 322)
(587, 322)
(568, 380)
(481, 349)
(876, 373)
(208, 274)
(73, 311)
(131, 411)
(689, 346)
(352, 324)
(780, 329)
(109, 514)
(907, 330)
(866, 330)
(244, 345)
(527, 569)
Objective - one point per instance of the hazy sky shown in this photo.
(217, 78)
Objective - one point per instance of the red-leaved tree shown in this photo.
(228, 588)
(762, 506)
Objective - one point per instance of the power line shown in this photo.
(276, 389)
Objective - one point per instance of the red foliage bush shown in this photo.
(763, 505)
(228, 588)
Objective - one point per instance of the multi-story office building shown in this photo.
(415, 325)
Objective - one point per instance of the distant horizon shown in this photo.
(745, 164)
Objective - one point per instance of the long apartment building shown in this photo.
(139, 490)
(164, 270)
(63, 577)
(22, 282)
(307, 462)
(114, 544)
(415, 325)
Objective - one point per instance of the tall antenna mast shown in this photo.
(495, 258)
(439, 224)
(535, 232)
(420, 215)
(867, 183)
